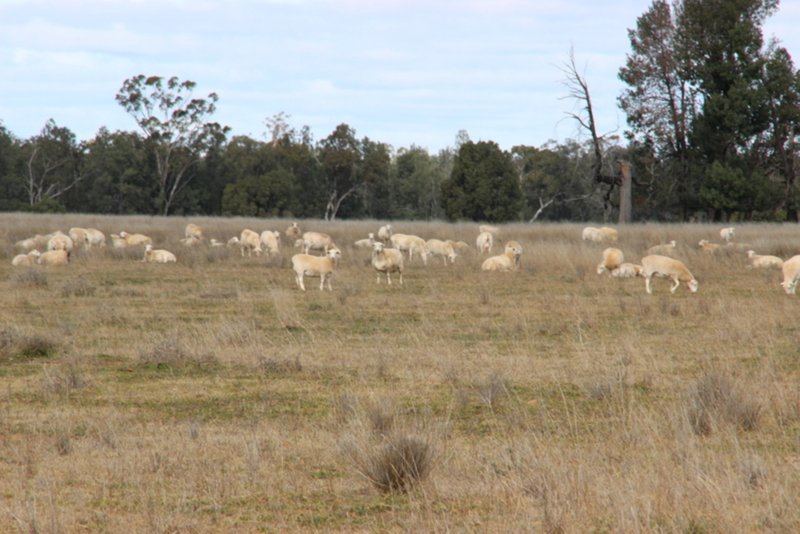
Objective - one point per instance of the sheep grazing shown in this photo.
(118, 241)
(25, 260)
(250, 241)
(193, 231)
(60, 241)
(315, 241)
(665, 249)
(663, 266)
(271, 241)
(54, 257)
(727, 234)
(437, 247)
(365, 243)
(94, 238)
(36, 242)
(459, 246)
(216, 243)
(158, 255)
(385, 233)
(612, 259)
(134, 240)
(78, 236)
(411, 244)
(322, 266)
(627, 270)
(710, 248)
(759, 261)
(233, 242)
(791, 274)
(387, 260)
(600, 235)
(508, 261)
(484, 242)
(293, 231)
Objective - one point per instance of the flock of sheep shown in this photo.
(389, 251)
(658, 263)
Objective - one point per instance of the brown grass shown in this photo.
(212, 396)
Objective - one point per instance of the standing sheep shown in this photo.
(95, 238)
(271, 240)
(437, 247)
(385, 233)
(250, 241)
(158, 255)
(315, 241)
(710, 248)
(411, 244)
(193, 231)
(612, 259)
(293, 232)
(387, 260)
(655, 265)
(78, 236)
(484, 242)
(60, 241)
(727, 234)
(365, 243)
(308, 265)
(791, 274)
(663, 250)
(627, 270)
(599, 235)
(133, 240)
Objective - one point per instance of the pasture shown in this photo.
(213, 396)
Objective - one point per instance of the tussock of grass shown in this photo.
(30, 277)
(16, 345)
(398, 464)
(78, 287)
(716, 397)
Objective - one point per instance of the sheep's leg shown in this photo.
(388, 277)
(675, 286)
(321, 281)
(378, 278)
(401, 278)
(647, 284)
(300, 281)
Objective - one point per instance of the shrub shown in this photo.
(399, 464)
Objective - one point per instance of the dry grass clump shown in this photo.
(30, 277)
(172, 353)
(715, 398)
(398, 463)
(78, 287)
(16, 345)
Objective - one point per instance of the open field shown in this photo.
(213, 396)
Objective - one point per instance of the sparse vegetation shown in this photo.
(215, 397)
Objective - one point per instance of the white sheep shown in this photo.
(664, 249)
(437, 247)
(757, 260)
(507, 261)
(271, 241)
(54, 257)
(78, 236)
(385, 233)
(386, 260)
(727, 234)
(663, 266)
(612, 259)
(293, 231)
(134, 240)
(60, 241)
(599, 235)
(459, 246)
(322, 266)
(411, 244)
(365, 243)
(627, 270)
(791, 274)
(315, 241)
(26, 260)
(117, 241)
(193, 231)
(217, 243)
(484, 242)
(94, 238)
(36, 242)
(233, 242)
(250, 241)
(158, 255)
(710, 248)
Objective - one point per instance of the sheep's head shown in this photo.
(751, 253)
(601, 268)
(693, 285)
(148, 248)
(703, 242)
(123, 235)
(673, 243)
(377, 247)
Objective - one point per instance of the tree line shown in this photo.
(713, 118)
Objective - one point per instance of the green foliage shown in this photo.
(267, 195)
(483, 185)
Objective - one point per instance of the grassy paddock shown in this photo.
(213, 396)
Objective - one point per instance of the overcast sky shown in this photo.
(397, 71)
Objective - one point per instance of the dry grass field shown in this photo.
(213, 396)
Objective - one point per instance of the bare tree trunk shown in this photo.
(625, 191)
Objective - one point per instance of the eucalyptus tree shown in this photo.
(176, 128)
